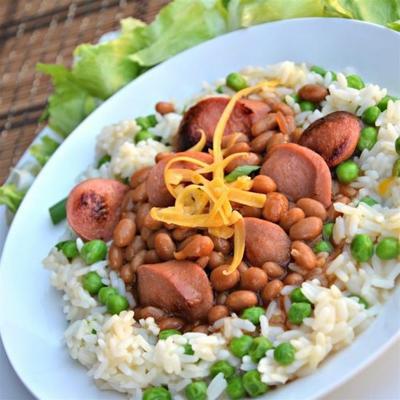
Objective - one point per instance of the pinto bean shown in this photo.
(139, 177)
(164, 246)
(259, 143)
(151, 257)
(283, 108)
(286, 124)
(266, 124)
(165, 107)
(139, 194)
(296, 135)
(248, 211)
(171, 323)
(248, 159)
(115, 257)
(203, 261)
(149, 311)
(263, 184)
(290, 217)
(303, 255)
(347, 190)
(128, 214)
(221, 282)
(127, 275)
(124, 232)
(313, 92)
(151, 223)
(145, 233)
(271, 290)
(278, 138)
(253, 279)
(138, 260)
(312, 208)
(141, 214)
(293, 279)
(233, 138)
(306, 229)
(241, 299)
(237, 148)
(217, 312)
(273, 269)
(221, 245)
(216, 259)
(180, 233)
(200, 329)
(275, 206)
(199, 246)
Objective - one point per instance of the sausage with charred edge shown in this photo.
(93, 208)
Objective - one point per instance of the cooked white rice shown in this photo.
(124, 354)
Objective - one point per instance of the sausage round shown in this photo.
(334, 136)
(299, 172)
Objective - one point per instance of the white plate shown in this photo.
(31, 319)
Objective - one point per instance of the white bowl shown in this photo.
(31, 319)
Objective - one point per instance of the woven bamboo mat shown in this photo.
(46, 31)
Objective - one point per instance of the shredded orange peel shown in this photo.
(206, 204)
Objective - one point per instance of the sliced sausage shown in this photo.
(206, 113)
(334, 136)
(157, 191)
(178, 287)
(94, 207)
(266, 241)
(299, 172)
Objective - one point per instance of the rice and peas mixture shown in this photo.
(270, 324)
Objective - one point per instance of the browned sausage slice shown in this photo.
(155, 185)
(299, 172)
(178, 287)
(266, 241)
(334, 136)
(93, 208)
(206, 113)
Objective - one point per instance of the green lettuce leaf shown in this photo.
(104, 68)
(70, 103)
(44, 150)
(11, 197)
(180, 25)
(244, 13)
(383, 12)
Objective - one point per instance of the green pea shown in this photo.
(384, 102)
(240, 346)
(144, 135)
(105, 292)
(253, 314)
(296, 97)
(69, 249)
(362, 247)
(370, 115)
(397, 145)
(235, 389)
(355, 82)
(103, 160)
(361, 300)
(220, 89)
(259, 347)
(307, 106)
(323, 247)
(387, 248)
(253, 385)
(196, 391)
(188, 349)
(299, 311)
(368, 138)
(297, 296)
(94, 251)
(284, 353)
(147, 122)
(347, 171)
(222, 366)
(117, 303)
(236, 81)
(92, 283)
(369, 201)
(166, 333)
(396, 168)
(156, 393)
(318, 70)
(327, 230)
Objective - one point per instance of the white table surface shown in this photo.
(380, 381)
